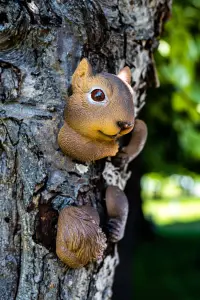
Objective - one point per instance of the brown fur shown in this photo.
(79, 240)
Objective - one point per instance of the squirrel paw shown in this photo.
(136, 144)
(117, 209)
(115, 229)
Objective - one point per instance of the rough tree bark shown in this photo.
(41, 43)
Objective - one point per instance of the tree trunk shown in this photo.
(41, 43)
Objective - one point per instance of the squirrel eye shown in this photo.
(97, 95)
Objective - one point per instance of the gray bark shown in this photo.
(41, 43)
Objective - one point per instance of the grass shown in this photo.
(165, 211)
(168, 268)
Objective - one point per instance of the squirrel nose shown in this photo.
(124, 125)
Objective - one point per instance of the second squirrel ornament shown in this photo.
(99, 111)
(80, 239)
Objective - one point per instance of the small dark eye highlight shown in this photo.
(98, 95)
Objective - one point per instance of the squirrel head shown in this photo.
(101, 106)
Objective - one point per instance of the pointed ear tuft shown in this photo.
(125, 75)
(83, 71)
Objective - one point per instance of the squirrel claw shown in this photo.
(117, 209)
(115, 230)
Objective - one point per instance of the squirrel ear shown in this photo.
(83, 71)
(125, 75)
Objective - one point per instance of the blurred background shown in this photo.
(163, 231)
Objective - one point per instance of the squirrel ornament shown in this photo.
(80, 239)
(99, 111)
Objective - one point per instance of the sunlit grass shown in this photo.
(166, 211)
(164, 48)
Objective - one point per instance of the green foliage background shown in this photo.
(168, 266)
(172, 112)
